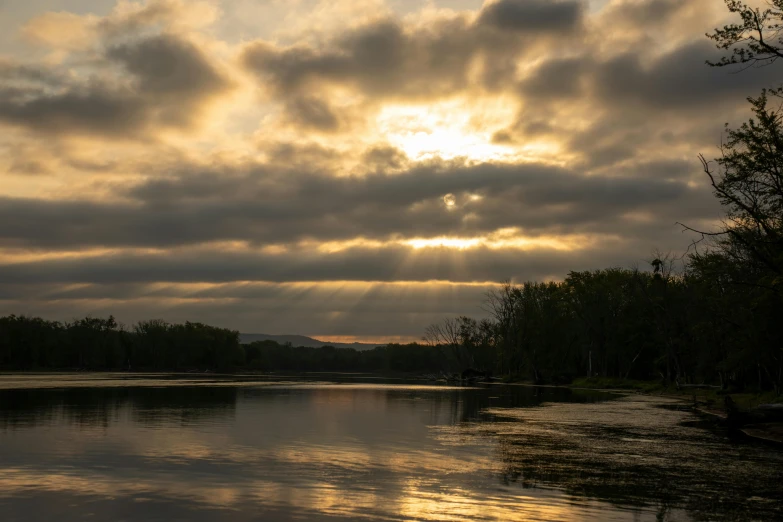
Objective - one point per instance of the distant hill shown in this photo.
(301, 340)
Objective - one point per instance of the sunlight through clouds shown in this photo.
(164, 142)
(444, 131)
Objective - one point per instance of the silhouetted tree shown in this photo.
(757, 40)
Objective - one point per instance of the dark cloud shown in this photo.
(20, 74)
(533, 15)
(272, 204)
(559, 78)
(679, 80)
(646, 13)
(380, 59)
(302, 155)
(170, 80)
(676, 81)
(387, 60)
(389, 263)
(173, 74)
(672, 169)
(384, 158)
(92, 109)
(309, 111)
(634, 105)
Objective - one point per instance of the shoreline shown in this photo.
(748, 404)
(765, 432)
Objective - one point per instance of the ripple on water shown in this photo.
(230, 448)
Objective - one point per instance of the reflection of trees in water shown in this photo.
(680, 468)
(98, 406)
(91, 407)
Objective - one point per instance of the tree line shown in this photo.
(696, 326)
(33, 343)
(91, 343)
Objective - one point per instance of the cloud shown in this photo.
(533, 16)
(64, 30)
(617, 111)
(635, 13)
(22, 75)
(170, 80)
(271, 204)
(130, 17)
(131, 74)
(378, 59)
(387, 59)
(558, 78)
(91, 109)
(679, 80)
(309, 111)
(566, 132)
(61, 30)
(386, 263)
(173, 74)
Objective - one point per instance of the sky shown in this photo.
(346, 169)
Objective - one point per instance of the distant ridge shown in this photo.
(301, 340)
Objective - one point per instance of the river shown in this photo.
(134, 447)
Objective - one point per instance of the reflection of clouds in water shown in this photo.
(345, 452)
(17, 480)
(419, 503)
(411, 498)
(309, 451)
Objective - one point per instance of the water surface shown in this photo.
(126, 447)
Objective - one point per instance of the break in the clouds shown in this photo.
(343, 168)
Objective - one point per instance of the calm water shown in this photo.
(148, 448)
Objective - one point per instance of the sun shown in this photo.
(446, 130)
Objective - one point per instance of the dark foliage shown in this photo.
(395, 358)
(32, 343)
(28, 343)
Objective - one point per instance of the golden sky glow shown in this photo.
(221, 142)
(446, 130)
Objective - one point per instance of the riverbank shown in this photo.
(744, 413)
(711, 397)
